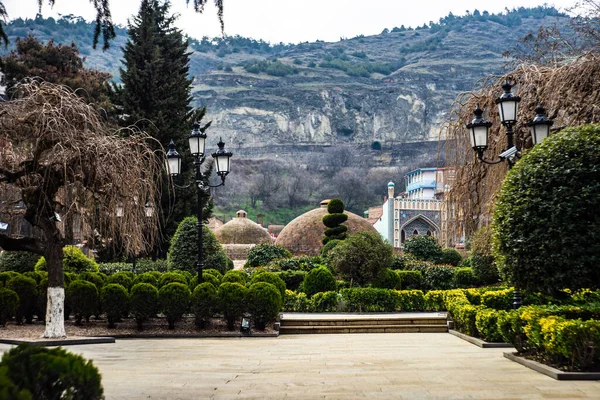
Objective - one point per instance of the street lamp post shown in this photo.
(197, 142)
(508, 107)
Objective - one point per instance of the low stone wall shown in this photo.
(237, 251)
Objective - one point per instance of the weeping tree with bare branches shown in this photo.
(54, 143)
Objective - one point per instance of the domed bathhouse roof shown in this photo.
(303, 235)
(241, 230)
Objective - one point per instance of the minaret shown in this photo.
(390, 213)
(391, 190)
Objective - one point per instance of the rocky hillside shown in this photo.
(375, 92)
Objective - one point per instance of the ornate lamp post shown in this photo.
(508, 107)
(197, 142)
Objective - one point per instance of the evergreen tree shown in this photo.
(156, 96)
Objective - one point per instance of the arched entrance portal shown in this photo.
(419, 225)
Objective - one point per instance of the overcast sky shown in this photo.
(289, 21)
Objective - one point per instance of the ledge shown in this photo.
(553, 372)
(197, 336)
(481, 343)
(60, 342)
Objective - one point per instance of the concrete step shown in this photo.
(373, 328)
(363, 322)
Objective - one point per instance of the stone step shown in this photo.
(362, 322)
(436, 328)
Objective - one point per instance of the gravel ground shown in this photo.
(99, 327)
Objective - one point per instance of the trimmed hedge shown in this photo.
(388, 279)
(463, 278)
(172, 277)
(498, 299)
(265, 303)
(115, 302)
(147, 277)
(319, 280)
(292, 279)
(121, 278)
(450, 256)
(232, 301)
(296, 302)
(235, 277)
(174, 301)
(82, 297)
(18, 261)
(410, 280)
(325, 302)
(262, 254)
(273, 279)
(204, 300)
(369, 300)
(144, 302)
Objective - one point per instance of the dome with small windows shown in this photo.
(241, 230)
(303, 235)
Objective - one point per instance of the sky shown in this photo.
(289, 21)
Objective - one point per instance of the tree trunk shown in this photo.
(55, 318)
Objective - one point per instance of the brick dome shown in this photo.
(241, 230)
(303, 235)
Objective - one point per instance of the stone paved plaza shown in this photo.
(366, 366)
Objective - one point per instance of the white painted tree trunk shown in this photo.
(55, 313)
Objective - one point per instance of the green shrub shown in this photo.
(35, 275)
(464, 316)
(324, 302)
(423, 247)
(463, 278)
(302, 263)
(474, 295)
(143, 265)
(438, 277)
(26, 289)
(174, 300)
(213, 272)
(9, 303)
(187, 275)
(498, 299)
(296, 302)
(272, 278)
(121, 278)
(93, 277)
(115, 267)
(319, 280)
(292, 279)
(265, 302)
(434, 300)
(147, 277)
(6, 276)
(115, 302)
(232, 301)
(10, 391)
(171, 277)
(511, 329)
(73, 261)
(482, 260)
(361, 257)
(486, 322)
(18, 261)
(399, 262)
(183, 253)
(410, 280)
(343, 285)
(536, 244)
(450, 256)
(334, 220)
(329, 246)
(52, 373)
(369, 300)
(82, 297)
(204, 300)
(410, 300)
(388, 279)
(210, 278)
(144, 302)
(262, 254)
(235, 276)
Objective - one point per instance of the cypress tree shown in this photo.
(155, 95)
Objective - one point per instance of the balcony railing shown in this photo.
(417, 204)
(429, 184)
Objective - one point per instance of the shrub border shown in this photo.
(62, 342)
(480, 343)
(553, 372)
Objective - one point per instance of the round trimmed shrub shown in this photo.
(262, 254)
(171, 277)
(361, 257)
(546, 225)
(52, 373)
(147, 277)
(292, 279)
(73, 261)
(235, 276)
(210, 278)
(144, 302)
(388, 279)
(272, 278)
(329, 246)
(464, 278)
(115, 302)
(26, 289)
(450, 256)
(335, 206)
(174, 301)
(18, 261)
(93, 277)
(265, 303)
(213, 272)
(319, 280)
(83, 299)
(35, 275)
(232, 298)
(423, 247)
(183, 252)
(9, 303)
(186, 274)
(6, 276)
(334, 220)
(204, 300)
(121, 278)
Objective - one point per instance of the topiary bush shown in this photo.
(171, 277)
(331, 243)
(6, 276)
(121, 278)
(464, 278)
(174, 301)
(265, 302)
(388, 279)
(147, 277)
(213, 272)
(546, 225)
(93, 277)
(210, 278)
(423, 247)
(115, 302)
(334, 220)
(319, 280)
(52, 373)
(187, 275)
(450, 256)
(272, 278)
(82, 297)
(144, 302)
(232, 301)
(235, 276)
(18, 261)
(262, 254)
(9, 303)
(183, 253)
(26, 289)
(203, 301)
(410, 280)
(292, 279)
(361, 257)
